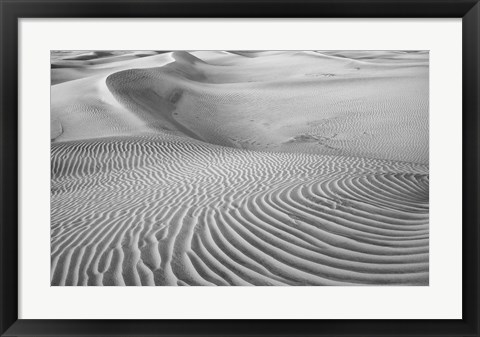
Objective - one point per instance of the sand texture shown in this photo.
(239, 168)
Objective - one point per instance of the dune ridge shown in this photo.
(209, 102)
(189, 168)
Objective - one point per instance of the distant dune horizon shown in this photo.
(239, 168)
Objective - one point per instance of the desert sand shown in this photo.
(239, 168)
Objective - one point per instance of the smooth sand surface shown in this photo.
(239, 168)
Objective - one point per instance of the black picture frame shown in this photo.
(12, 10)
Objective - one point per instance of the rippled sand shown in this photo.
(239, 168)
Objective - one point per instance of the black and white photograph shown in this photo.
(239, 168)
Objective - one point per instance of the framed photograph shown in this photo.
(198, 168)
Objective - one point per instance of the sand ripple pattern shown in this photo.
(165, 210)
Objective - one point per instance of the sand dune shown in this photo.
(84, 108)
(348, 108)
(240, 168)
